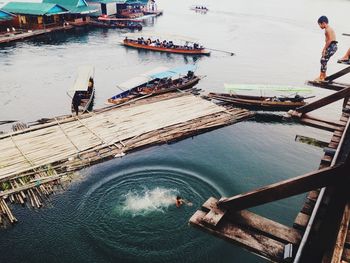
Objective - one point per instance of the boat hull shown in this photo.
(185, 86)
(167, 50)
(256, 102)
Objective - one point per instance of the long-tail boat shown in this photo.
(83, 91)
(263, 103)
(158, 81)
(188, 48)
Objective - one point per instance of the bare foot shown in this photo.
(319, 79)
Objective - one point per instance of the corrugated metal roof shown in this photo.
(74, 6)
(34, 8)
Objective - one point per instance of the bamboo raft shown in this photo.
(35, 159)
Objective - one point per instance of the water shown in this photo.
(123, 210)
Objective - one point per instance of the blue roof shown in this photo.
(174, 72)
(5, 16)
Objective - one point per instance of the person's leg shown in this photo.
(346, 56)
(324, 60)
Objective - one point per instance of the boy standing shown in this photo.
(330, 46)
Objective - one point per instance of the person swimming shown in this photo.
(179, 202)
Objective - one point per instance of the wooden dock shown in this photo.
(321, 230)
(34, 158)
(16, 36)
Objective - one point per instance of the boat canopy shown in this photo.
(174, 72)
(141, 79)
(265, 87)
(82, 81)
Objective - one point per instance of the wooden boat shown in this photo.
(155, 83)
(120, 23)
(177, 49)
(260, 102)
(83, 91)
(201, 9)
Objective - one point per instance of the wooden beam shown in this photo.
(324, 101)
(338, 74)
(251, 240)
(249, 220)
(326, 85)
(343, 230)
(298, 185)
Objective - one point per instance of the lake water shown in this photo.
(122, 210)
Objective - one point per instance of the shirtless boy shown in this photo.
(330, 46)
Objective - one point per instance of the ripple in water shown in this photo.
(131, 215)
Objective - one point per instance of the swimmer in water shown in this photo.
(179, 202)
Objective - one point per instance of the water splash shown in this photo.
(147, 201)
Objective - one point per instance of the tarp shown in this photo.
(82, 81)
(5, 16)
(174, 72)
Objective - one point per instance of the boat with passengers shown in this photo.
(182, 45)
(155, 82)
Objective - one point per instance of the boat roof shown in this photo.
(141, 79)
(178, 71)
(265, 87)
(82, 81)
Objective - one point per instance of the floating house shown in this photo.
(35, 15)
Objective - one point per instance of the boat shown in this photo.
(158, 81)
(263, 103)
(199, 8)
(83, 91)
(154, 44)
(120, 23)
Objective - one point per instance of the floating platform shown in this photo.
(66, 144)
(16, 36)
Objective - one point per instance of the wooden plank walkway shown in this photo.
(12, 37)
(69, 144)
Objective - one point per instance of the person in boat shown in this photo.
(76, 102)
(329, 48)
(126, 39)
(90, 85)
(346, 57)
(190, 74)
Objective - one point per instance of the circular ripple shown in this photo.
(131, 215)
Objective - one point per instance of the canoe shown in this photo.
(155, 83)
(83, 91)
(260, 102)
(134, 44)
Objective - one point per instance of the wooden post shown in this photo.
(284, 189)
